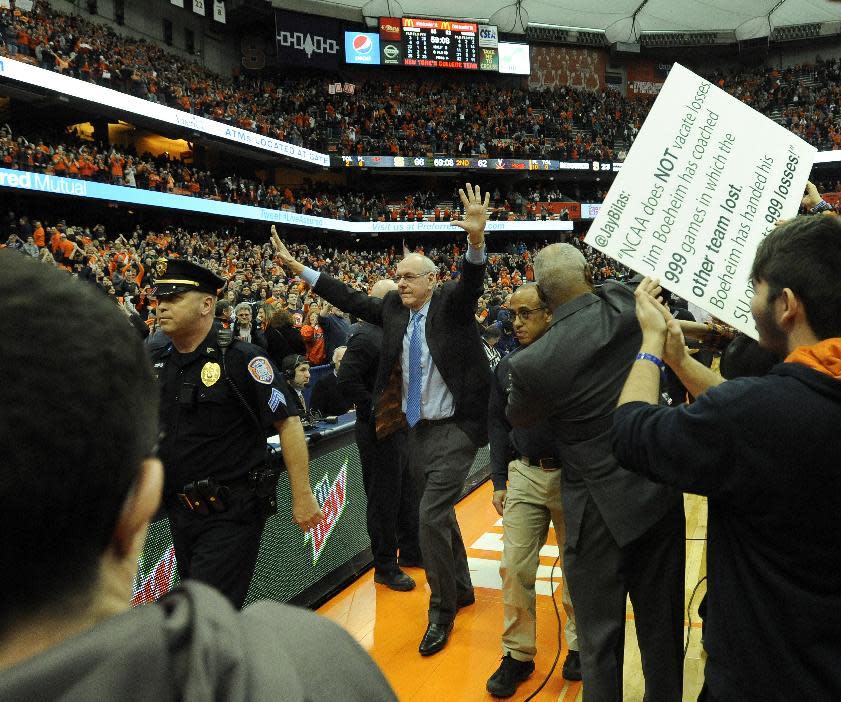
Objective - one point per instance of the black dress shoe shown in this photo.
(435, 638)
(396, 580)
(572, 666)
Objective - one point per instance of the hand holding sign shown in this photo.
(651, 312)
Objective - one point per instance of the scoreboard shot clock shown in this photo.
(434, 43)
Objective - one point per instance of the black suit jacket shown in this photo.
(327, 398)
(572, 377)
(451, 334)
(358, 370)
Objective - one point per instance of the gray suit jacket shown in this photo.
(572, 376)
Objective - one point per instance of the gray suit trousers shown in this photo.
(440, 456)
(601, 575)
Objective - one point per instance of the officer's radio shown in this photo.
(224, 337)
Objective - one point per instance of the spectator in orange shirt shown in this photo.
(313, 336)
(117, 163)
(38, 234)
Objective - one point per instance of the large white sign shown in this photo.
(705, 180)
(32, 75)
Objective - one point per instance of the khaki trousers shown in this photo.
(532, 500)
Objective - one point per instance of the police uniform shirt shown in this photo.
(206, 432)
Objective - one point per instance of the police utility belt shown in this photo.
(207, 496)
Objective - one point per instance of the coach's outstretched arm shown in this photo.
(335, 292)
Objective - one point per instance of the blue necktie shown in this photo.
(413, 399)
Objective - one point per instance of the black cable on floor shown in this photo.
(558, 617)
(689, 615)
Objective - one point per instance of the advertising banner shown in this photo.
(307, 40)
(488, 36)
(489, 59)
(705, 181)
(363, 48)
(390, 28)
(391, 50)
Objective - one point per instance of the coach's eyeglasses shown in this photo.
(409, 277)
(525, 313)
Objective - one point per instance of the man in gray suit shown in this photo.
(624, 534)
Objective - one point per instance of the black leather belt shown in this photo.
(547, 464)
(433, 422)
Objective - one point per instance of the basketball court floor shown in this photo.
(390, 625)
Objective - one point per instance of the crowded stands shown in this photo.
(408, 117)
(63, 155)
(122, 264)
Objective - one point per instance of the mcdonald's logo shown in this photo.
(445, 25)
(408, 23)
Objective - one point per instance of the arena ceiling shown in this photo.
(621, 20)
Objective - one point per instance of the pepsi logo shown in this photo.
(362, 44)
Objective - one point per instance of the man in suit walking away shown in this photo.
(391, 500)
(624, 534)
(433, 377)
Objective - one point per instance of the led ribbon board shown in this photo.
(41, 182)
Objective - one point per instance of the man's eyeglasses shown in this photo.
(409, 277)
(525, 313)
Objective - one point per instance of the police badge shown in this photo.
(160, 266)
(210, 373)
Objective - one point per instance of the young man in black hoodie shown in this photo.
(764, 450)
(77, 500)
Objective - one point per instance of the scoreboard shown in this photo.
(440, 43)
(436, 43)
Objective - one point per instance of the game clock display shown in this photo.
(440, 43)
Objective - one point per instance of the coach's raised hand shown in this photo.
(286, 258)
(475, 214)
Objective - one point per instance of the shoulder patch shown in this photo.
(261, 370)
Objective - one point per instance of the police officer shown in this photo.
(218, 402)
(523, 458)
